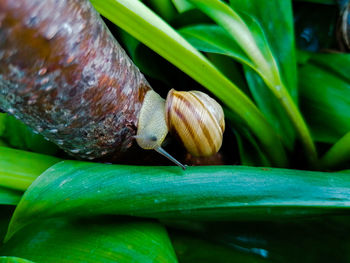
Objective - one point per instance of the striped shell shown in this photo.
(345, 27)
(197, 120)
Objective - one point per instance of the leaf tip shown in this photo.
(14, 226)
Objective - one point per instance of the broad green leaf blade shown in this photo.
(202, 193)
(6, 212)
(250, 152)
(190, 17)
(19, 135)
(325, 96)
(92, 240)
(276, 20)
(9, 196)
(337, 64)
(338, 155)
(182, 5)
(136, 19)
(230, 69)
(14, 260)
(151, 64)
(271, 108)
(191, 249)
(214, 39)
(256, 48)
(251, 40)
(18, 169)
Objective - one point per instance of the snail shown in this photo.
(63, 74)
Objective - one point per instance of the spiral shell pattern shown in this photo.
(197, 119)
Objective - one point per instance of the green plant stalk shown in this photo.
(338, 154)
(239, 31)
(139, 21)
(18, 169)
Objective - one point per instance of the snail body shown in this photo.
(63, 74)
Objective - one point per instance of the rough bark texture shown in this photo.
(63, 74)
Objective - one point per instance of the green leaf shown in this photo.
(202, 193)
(19, 135)
(151, 64)
(144, 25)
(182, 5)
(270, 106)
(2, 123)
(163, 8)
(251, 38)
(92, 240)
(214, 39)
(276, 20)
(14, 260)
(9, 196)
(325, 96)
(18, 169)
(230, 69)
(250, 152)
(336, 64)
(191, 249)
(338, 155)
(6, 212)
(190, 17)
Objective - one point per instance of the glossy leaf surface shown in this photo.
(18, 169)
(325, 95)
(92, 240)
(14, 260)
(9, 196)
(19, 135)
(235, 192)
(276, 19)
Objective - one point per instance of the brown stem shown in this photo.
(63, 74)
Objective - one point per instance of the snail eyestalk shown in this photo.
(167, 155)
(152, 128)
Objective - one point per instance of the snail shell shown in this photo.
(343, 30)
(197, 119)
(192, 116)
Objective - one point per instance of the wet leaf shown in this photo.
(235, 192)
(92, 240)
